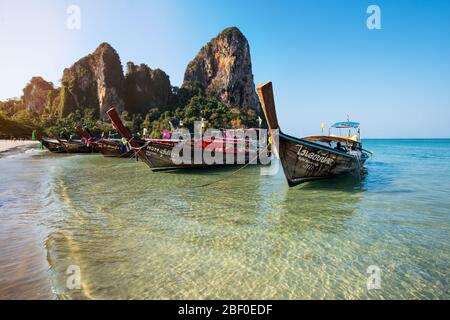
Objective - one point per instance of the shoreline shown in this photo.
(8, 147)
(24, 266)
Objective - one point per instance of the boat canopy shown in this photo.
(332, 138)
(345, 125)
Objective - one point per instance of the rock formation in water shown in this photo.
(96, 81)
(36, 95)
(223, 69)
(146, 88)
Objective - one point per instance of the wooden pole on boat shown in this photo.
(265, 93)
(62, 144)
(82, 134)
(118, 124)
(89, 132)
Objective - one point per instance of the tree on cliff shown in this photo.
(216, 114)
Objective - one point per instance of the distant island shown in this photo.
(218, 86)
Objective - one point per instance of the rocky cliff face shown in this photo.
(223, 69)
(146, 88)
(36, 94)
(96, 81)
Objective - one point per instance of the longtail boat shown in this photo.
(76, 146)
(90, 141)
(53, 145)
(157, 153)
(114, 148)
(57, 145)
(67, 146)
(310, 158)
(107, 147)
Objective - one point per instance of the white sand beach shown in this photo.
(8, 145)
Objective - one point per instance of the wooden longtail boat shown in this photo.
(114, 148)
(70, 146)
(157, 153)
(107, 147)
(76, 146)
(53, 145)
(90, 141)
(311, 158)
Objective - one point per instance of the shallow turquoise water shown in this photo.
(137, 234)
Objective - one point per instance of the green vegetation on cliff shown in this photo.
(215, 114)
(13, 129)
(22, 123)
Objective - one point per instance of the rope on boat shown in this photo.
(136, 150)
(126, 155)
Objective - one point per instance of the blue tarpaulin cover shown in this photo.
(347, 124)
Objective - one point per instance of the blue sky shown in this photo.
(324, 62)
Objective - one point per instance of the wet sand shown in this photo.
(24, 270)
(16, 146)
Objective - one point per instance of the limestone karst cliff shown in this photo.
(223, 69)
(146, 88)
(36, 94)
(95, 81)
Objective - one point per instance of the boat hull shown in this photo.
(77, 147)
(53, 146)
(157, 153)
(113, 149)
(305, 161)
(158, 156)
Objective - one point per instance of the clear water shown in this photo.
(141, 235)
